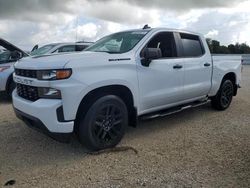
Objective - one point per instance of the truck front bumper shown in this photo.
(43, 115)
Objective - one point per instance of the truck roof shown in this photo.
(165, 29)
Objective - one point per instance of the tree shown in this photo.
(244, 48)
(237, 48)
(231, 48)
(215, 46)
(223, 50)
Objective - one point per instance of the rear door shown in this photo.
(197, 66)
(161, 84)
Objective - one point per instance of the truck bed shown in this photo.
(224, 64)
(228, 57)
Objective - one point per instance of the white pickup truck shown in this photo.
(142, 73)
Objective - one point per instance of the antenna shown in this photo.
(76, 27)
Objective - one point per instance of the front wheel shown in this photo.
(224, 97)
(104, 124)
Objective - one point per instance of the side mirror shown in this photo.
(149, 54)
(34, 48)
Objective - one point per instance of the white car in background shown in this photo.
(55, 48)
(9, 54)
(7, 58)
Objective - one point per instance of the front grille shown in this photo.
(26, 73)
(27, 92)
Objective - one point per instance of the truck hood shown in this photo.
(58, 61)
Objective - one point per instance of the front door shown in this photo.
(161, 83)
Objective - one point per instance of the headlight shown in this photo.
(54, 74)
(4, 68)
(49, 93)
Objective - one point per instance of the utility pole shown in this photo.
(76, 28)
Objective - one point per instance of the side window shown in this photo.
(69, 48)
(80, 48)
(192, 46)
(165, 41)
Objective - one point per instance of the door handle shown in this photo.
(207, 64)
(177, 66)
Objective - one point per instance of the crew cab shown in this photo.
(142, 73)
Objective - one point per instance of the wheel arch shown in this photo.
(233, 78)
(9, 80)
(119, 90)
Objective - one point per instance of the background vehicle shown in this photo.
(7, 60)
(8, 56)
(60, 48)
(142, 73)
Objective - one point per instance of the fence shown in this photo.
(246, 59)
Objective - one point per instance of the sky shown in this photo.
(26, 23)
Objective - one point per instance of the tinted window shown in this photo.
(70, 48)
(191, 45)
(80, 47)
(165, 41)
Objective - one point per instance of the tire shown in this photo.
(104, 124)
(224, 97)
(11, 88)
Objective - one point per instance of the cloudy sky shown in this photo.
(29, 22)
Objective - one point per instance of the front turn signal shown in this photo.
(63, 74)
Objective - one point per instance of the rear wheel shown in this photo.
(104, 124)
(224, 97)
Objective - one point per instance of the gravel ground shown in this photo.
(198, 147)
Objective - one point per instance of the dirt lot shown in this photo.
(195, 148)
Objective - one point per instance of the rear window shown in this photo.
(69, 48)
(192, 46)
(80, 47)
(43, 50)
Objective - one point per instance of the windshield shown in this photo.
(43, 50)
(118, 43)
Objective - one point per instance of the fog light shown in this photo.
(49, 93)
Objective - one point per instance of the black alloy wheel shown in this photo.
(104, 124)
(224, 96)
(108, 124)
